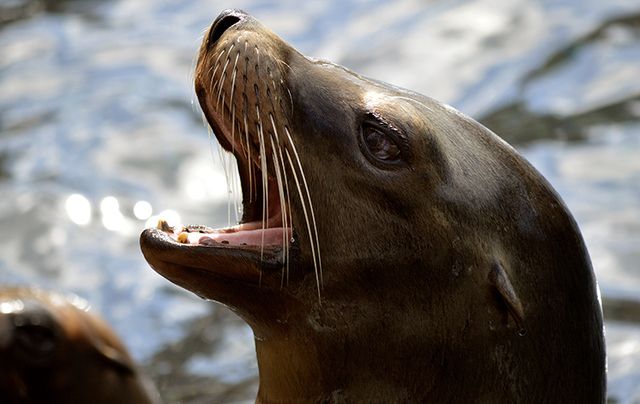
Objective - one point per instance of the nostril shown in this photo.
(225, 20)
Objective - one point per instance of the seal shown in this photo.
(52, 350)
(391, 249)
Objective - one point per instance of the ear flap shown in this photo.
(503, 288)
(107, 347)
(114, 358)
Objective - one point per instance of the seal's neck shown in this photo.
(327, 367)
(289, 371)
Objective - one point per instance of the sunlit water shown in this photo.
(99, 136)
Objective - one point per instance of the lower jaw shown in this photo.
(181, 261)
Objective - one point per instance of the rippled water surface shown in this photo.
(99, 134)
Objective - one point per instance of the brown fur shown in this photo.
(459, 276)
(52, 351)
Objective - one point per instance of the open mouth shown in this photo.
(266, 218)
(264, 223)
(264, 235)
(241, 86)
(240, 129)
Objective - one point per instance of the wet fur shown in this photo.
(87, 362)
(411, 307)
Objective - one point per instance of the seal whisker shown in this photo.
(231, 202)
(222, 52)
(306, 219)
(192, 74)
(223, 79)
(282, 210)
(233, 129)
(306, 187)
(231, 99)
(229, 179)
(277, 60)
(291, 99)
(216, 65)
(265, 180)
(288, 206)
(286, 211)
(249, 166)
(235, 174)
(233, 125)
(212, 84)
(223, 98)
(283, 207)
(204, 122)
(223, 159)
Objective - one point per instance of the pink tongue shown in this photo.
(270, 236)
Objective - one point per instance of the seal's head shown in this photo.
(52, 350)
(390, 247)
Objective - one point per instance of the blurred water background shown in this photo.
(100, 133)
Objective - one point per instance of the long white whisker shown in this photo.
(222, 158)
(216, 65)
(231, 102)
(276, 162)
(282, 208)
(223, 77)
(265, 182)
(304, 181)
(249, 165)
(222, 52)
(306, 218)
(288, 205)
(290, 218)
(233, 129)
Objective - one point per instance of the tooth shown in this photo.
(198, 228)
(183, 238)
(164, 226)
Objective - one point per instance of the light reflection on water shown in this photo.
(99, 138)
(142, 210)
(78, 208)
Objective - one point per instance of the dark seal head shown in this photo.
(52, 350)
(391, 249)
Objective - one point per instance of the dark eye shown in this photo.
(384, 145)
(380, 145)
(34, 338)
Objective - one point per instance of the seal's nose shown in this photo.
(225, 20)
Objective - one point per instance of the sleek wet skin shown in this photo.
(52, 350)
(430, 261)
